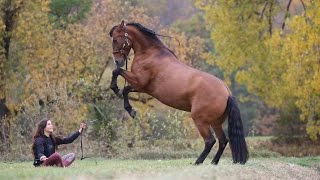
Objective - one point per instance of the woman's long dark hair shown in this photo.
(40, 133)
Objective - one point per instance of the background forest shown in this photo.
(56, 61)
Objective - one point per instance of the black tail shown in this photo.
(236, 135)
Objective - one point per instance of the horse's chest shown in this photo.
(143, 76)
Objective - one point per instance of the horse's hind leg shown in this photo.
(208, 138)
(223, 141)
(127, 106)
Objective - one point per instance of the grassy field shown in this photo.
(97, 168)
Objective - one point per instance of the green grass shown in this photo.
(305, 161)
(166, 162)
(258, 138)
(97, 168)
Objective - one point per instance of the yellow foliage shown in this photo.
(45, 54)
(273, 66)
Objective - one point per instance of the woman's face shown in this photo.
(49, 127)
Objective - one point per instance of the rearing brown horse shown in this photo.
(155, 70)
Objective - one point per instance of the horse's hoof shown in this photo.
(120, 93)
(133, 113)
(197, 163)
(214, 162)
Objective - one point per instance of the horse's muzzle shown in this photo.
(119, 62)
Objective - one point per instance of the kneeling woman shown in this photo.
(45, 144)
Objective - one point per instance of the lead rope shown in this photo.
(82, 157)
(125, 80)
(81, 145)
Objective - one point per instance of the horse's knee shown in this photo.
(116, 72)
(204, 130)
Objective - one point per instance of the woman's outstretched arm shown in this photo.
(71, 137)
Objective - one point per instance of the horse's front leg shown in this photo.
(113, 84)
(127, 105)
(134, 82)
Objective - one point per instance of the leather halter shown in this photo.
(126, 43)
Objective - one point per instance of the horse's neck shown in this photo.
(145, 46)
(142, 43)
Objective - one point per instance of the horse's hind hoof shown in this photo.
(214, 162)
(133, 113)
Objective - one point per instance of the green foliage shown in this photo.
(64, 12)
(289, 125)
(193, 28)
(153, 129)
(104, 119)
(55, 104)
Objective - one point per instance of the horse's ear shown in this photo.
(121, 26)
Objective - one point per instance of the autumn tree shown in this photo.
(276, 61)
(8, 13)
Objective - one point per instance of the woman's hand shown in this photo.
(82, 126)
(43, 158)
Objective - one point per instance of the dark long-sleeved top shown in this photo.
(44, 146)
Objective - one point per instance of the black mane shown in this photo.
(147, 32)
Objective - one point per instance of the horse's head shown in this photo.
(121, 45)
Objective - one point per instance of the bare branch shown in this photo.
(270, 17)
(142, 100)
(264, 8)
(286, 15)
(101, 74)
(304, 6)
(99, 111)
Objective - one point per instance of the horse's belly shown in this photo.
(171, 99)
(178, 105)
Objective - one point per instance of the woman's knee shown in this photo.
(69, 156)
(68, 159)
(54, 159)
(56, 154)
